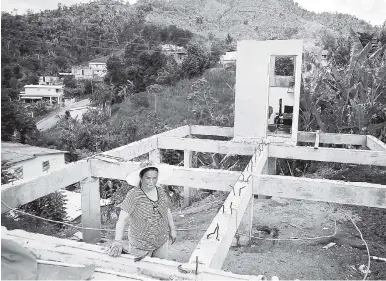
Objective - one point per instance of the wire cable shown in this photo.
(367, 249)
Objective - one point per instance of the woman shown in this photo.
(147, 209)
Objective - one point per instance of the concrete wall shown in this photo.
(252, 84)
(33, 168)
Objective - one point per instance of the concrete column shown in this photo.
(50, 100)
(187, 190)
(91, 211)
(155, 156)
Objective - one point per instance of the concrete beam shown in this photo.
(352, 193)
(332, 138)
(338, 155)
(200, 145)
(181, 176)
(212, 131)
(375, 144)
(138, 148)
(212, 251)
(67, 251)
(24, 191)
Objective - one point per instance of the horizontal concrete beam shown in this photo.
(353, 193)
(200, 145)
(332, 138)
(67, 251)
(190, 177)
(375, 144)
(24, 191)
(212, 251)
(338, 155)
(138, 148)
(212, 131)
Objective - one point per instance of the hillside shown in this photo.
(250, 19)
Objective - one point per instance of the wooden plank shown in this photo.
(181, 176)
(329, 138)
(67, 251)
(187, 190)
(212, 131)
(338, 155)
(25, 191)
(91, 211)
(375, 144)
(353, 193)
(200, 145)
(213, 251)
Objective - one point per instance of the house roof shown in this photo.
(17, 152)
(44, 86)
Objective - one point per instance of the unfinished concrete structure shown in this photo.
(249, 137)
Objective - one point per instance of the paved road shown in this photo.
(50, 121)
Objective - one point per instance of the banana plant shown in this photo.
(350, 99)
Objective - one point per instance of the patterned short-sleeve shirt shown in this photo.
(148, 220)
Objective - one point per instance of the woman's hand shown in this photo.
(116, 249)
(173, 235)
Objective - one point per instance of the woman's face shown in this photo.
(149, 180)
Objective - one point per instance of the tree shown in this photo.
(195, 62)
(351, 99)
(16, 124)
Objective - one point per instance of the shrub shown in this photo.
(140, 101)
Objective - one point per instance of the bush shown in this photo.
(140, 101)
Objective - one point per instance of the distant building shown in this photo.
(49, 80)
(228, 59)
(178, 53)
(51, 93)
(323, 58)
(29, 162)
(99, 66)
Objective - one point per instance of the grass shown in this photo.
(173, 107)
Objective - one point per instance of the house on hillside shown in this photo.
(99, 66)
(51, 93)
(178, 53)
(29, 162)
(95, 70)
(228, 59)
(82, 72)
(49, 80)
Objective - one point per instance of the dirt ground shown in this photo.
(289, 260)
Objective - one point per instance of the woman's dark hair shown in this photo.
(147, 169)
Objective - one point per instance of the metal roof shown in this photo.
(17, 152)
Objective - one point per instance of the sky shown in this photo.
(373, 11)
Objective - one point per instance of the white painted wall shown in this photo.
(43, 91)
(252, 85)
(33, 168)
(276, 93)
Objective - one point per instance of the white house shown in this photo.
(82, 72)
(49, 80)
(51, 93)
(29, 162)
(99, 66)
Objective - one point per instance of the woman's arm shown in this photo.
(120, 227)
(173, 233)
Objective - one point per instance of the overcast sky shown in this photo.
(373, 11)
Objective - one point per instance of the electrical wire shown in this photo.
(79, 227)
(367, 248)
